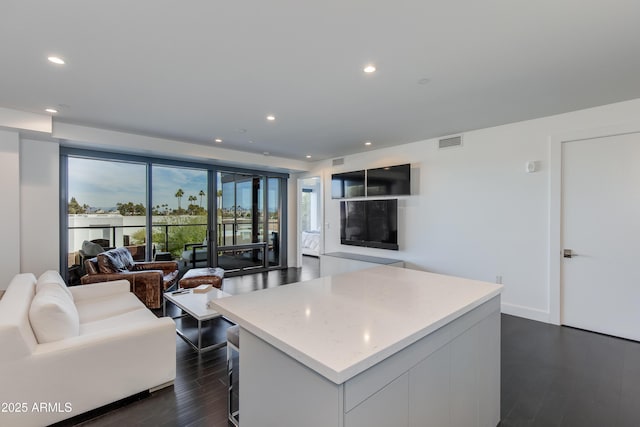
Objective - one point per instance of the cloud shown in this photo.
(102, 183)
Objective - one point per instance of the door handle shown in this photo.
(568, 253)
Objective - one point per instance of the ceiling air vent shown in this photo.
(338, 162)
(454, 141)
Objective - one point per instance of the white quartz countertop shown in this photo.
(341, 325)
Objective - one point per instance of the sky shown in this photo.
(104, 184)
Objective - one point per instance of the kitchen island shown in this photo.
(383, 346)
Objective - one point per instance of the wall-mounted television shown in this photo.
(389, 181)
(369, 223)
(347, 184)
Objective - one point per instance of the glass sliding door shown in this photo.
(225, 219)
(246, 209)
(180, 214)
(240, 225)
(106, 206)
(249, 221)
(274, 235)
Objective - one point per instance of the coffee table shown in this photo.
(195, 305)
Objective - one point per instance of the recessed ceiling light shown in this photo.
(56, 60)
(367, 143)
(369, 68)
(51, 110)
(271, 117)
(218, 140)
(266, 153)
(424, 81)
(308, 156)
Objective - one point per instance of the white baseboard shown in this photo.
(161, 386)
(526, 312)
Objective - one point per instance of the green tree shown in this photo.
(191, 205)
(131, 209)
(179, 195)
(201, 194)
(181, 229)
(75, 208)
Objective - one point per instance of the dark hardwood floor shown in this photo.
(560, 376)
(551, 375)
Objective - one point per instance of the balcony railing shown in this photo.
(172, 238)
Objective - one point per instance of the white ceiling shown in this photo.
(201, 69)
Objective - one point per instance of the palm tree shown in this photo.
(201, 194)
(179, 195)
(191, 200)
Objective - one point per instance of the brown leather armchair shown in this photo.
(148, 279)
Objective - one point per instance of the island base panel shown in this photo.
(449, 378)
(278, 391)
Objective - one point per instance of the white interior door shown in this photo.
(601, 225)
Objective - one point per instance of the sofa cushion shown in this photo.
(16, 334)
(53, 315)
(93, 309)
(52, 277)
(121, 321)
(91, 249)
(115, 261)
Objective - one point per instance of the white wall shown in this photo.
(10, 218)
(474, 211)
(109, 140)
(39, 206)
(25, 121)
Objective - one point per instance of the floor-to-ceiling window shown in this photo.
(106, 207)
(180, 213)
(158, 207)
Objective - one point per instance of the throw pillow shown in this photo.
(53, 277)
(126, 257)
(91, 249)
(116, 260)
(53, 315)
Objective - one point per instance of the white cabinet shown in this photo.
(387, 407)
(278, 391)
(449, 378)
(430, 390)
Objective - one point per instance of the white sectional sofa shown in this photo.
(65, 351)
